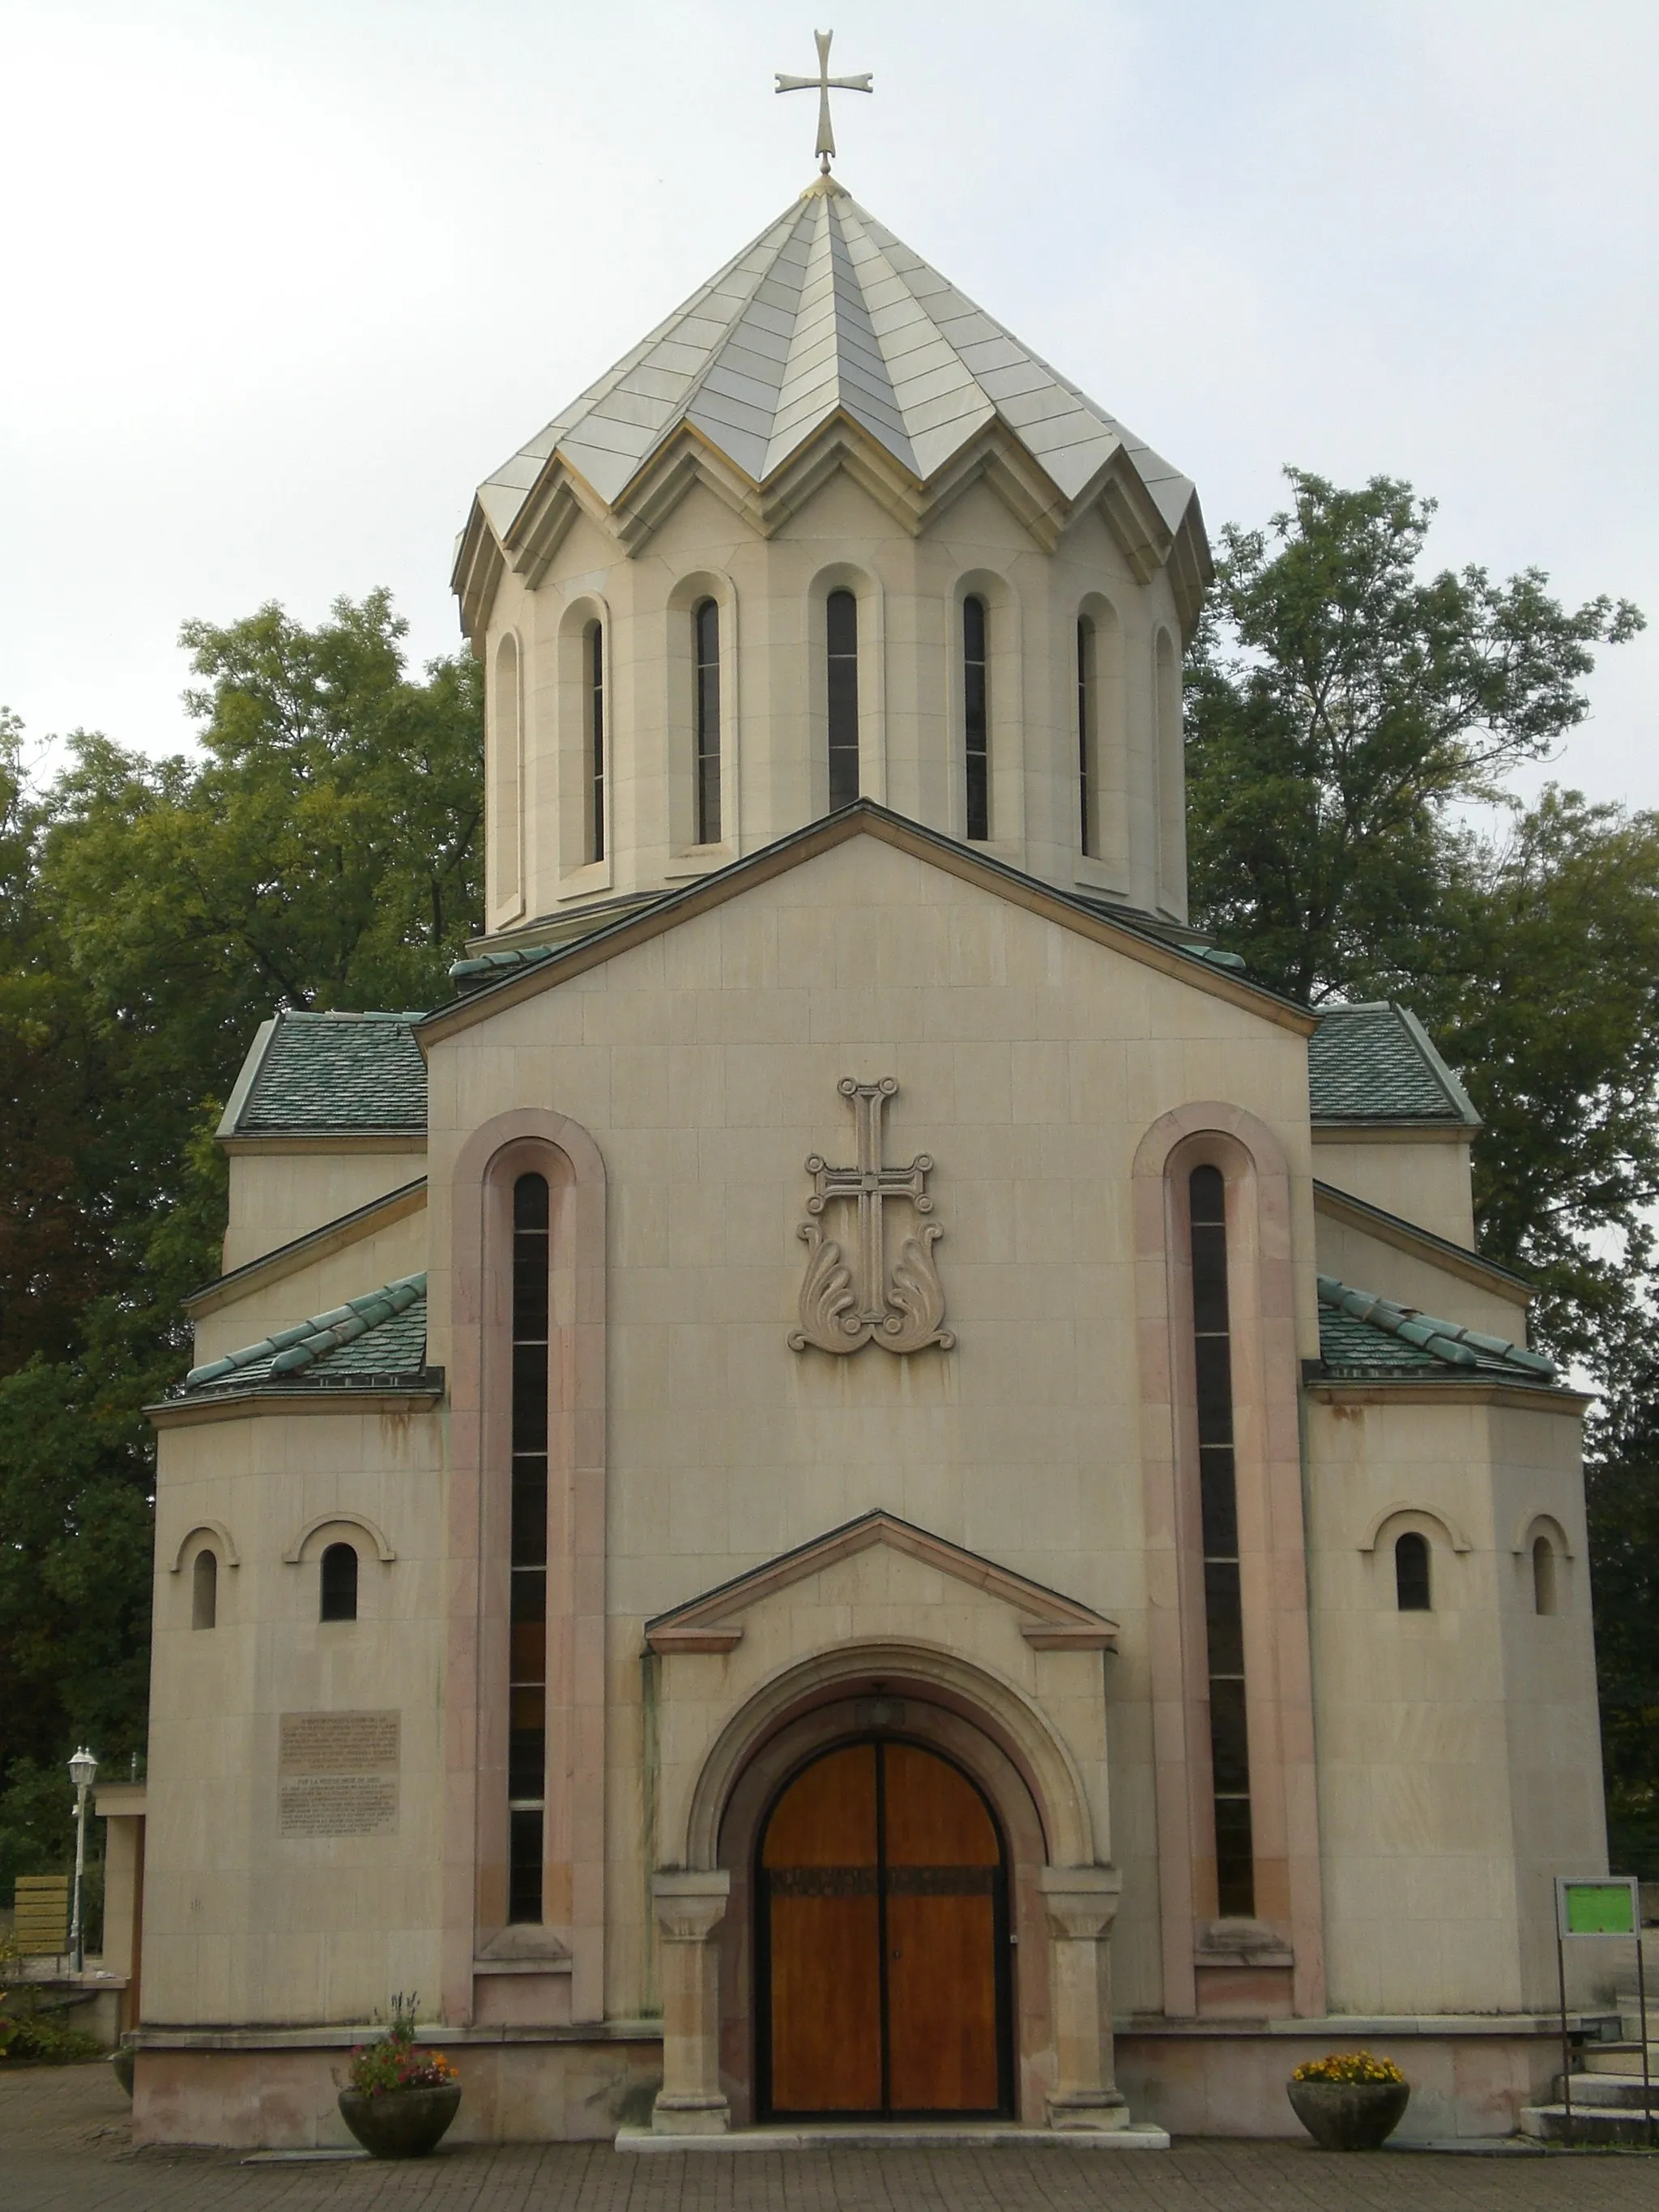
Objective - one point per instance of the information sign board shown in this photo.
(1597, 1905)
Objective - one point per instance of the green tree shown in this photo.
(1622, 1496)
(1539, 978)
(1338, 706)
(322, 850)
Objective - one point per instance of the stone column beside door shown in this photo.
(690, 1907)
(1081, 1904)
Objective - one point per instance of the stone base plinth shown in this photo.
(246, 2092)
(898, 2135)
(1470, 2077)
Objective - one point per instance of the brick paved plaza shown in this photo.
(64, 2149)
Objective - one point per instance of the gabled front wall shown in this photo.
(703, 1064)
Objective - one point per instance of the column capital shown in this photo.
(1080, 1903)
(690, 1906)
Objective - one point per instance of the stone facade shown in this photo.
(992, 1547)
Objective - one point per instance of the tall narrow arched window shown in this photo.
(1087, 839)
(593, 690)
(1168, 770)
(1224, 1615)
(339, 1582)
(976, 715)
(1543, 1575)
(205, 1590)
(526, 1733)
(841, 615)
(706, 655)
(507, 763)
(1411, 1573)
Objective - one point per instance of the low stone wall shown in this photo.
(247, 2091)
(244, 2094)
(1467, 2079)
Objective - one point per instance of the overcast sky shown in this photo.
(281, 280)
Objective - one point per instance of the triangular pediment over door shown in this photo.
(1049, 1620)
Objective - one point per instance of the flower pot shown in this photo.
(400, 2123)
(1349, 2115)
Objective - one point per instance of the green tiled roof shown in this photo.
(1363, 1336)
(334, 1072)
(368, 1342)
(1376, 1063)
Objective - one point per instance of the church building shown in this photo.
(861, 1487)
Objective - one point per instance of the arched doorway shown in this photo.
(882, 1940)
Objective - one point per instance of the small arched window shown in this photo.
(339, 1582)
(1543, 1575)
(976, 715)
(705, 652)
(841, 615)
(1086, 734)
(1411, 1572)
(205, 1590)
(593, 688)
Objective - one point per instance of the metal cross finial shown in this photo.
(824, 84)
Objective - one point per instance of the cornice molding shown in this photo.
(1381, 1390)
(328, 1140)
(247, 1405)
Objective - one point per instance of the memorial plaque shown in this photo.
(338, 1774)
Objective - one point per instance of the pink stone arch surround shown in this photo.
(571, 1943)
(1288, 1973)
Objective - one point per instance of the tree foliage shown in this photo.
(1344, 712)
(322, 848)
(1338, 705)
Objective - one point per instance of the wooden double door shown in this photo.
(882, 1941)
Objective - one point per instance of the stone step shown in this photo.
(1611, 2090)
(1598, 2124)
(1620, 2058)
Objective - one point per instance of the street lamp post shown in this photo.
(83, 1768)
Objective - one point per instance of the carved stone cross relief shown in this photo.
(844, 1306)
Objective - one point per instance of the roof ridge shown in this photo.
(309, 1340)
(1447, 1340)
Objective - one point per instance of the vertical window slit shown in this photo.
(596, 741)
(706, 647)
(840, 614)
(527, 1736)
(1086, 798)
(1224, 1617)
(976, 717)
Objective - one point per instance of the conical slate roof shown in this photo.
(826, 313)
